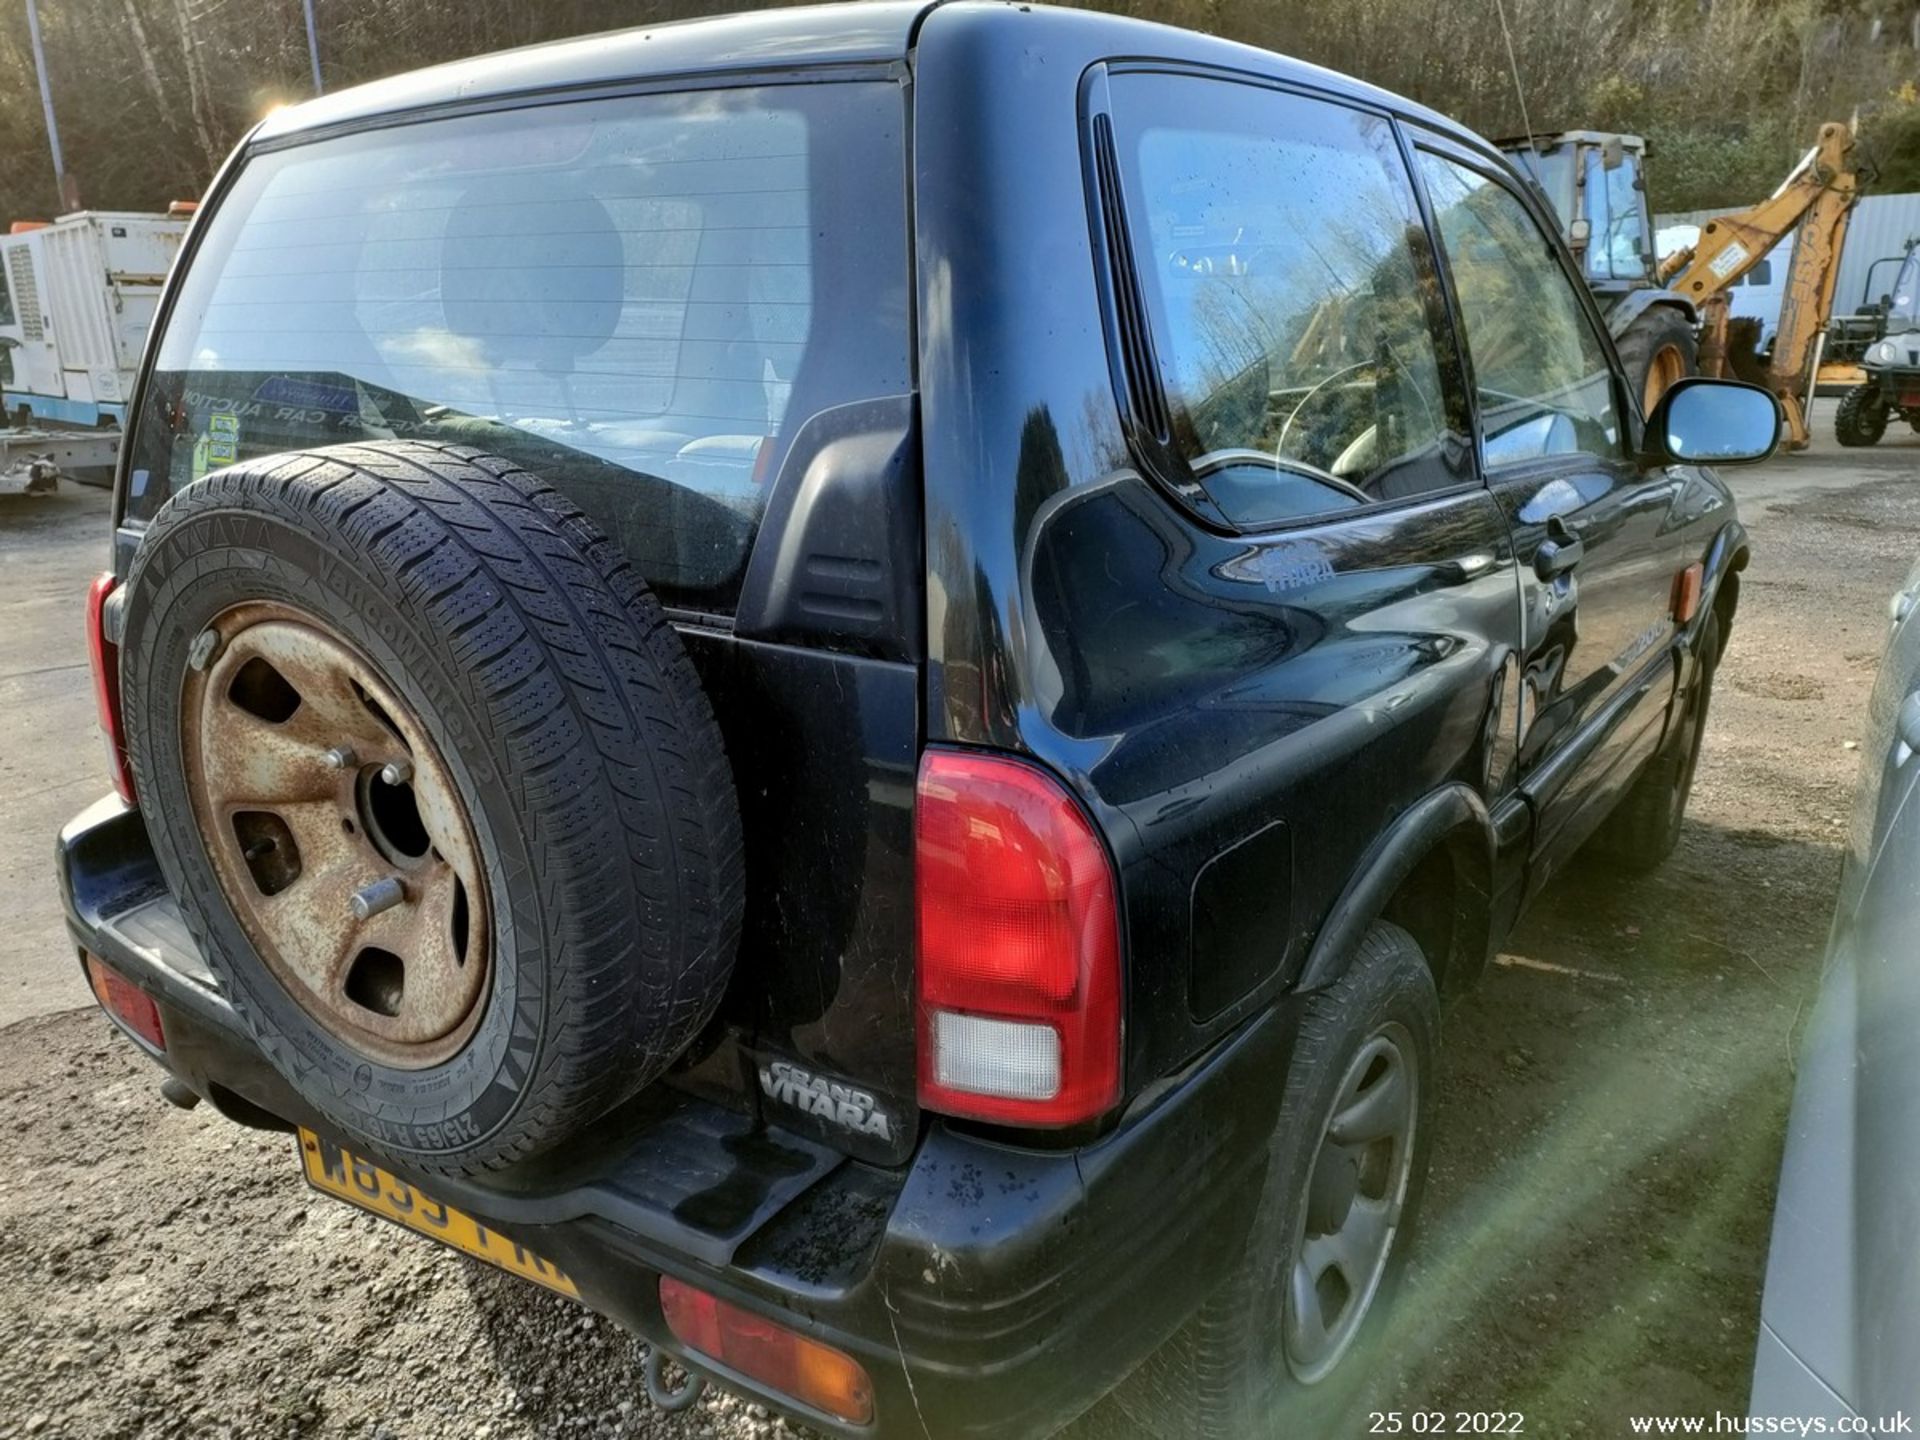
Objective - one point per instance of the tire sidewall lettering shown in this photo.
(204, 566)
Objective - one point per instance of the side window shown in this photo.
(1544, 382)
(1613, 210)
(1291, 297)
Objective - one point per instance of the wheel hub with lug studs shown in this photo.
(337, 835)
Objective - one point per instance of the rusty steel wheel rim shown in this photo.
(336, 834)
(1667, 366)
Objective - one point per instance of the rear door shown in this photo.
(1590, 527)
(687, 311)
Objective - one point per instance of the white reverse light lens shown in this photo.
(1008, 1058)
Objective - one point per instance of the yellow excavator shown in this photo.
(1596, 183)
(1818, 197)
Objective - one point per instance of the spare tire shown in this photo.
(438, 791)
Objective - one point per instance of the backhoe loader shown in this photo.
(1596, 183)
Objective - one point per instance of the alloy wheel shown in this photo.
(1355, 1192)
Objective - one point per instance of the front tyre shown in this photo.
(1283, 1346)
(1861, 418)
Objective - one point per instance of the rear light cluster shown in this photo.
(1019, 961)
(104, 657)
(817, 1375)
(126, 1002)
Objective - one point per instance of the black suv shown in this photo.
(848, 680)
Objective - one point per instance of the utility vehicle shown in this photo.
(848, 681)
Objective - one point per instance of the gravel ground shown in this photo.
(1612, 1105)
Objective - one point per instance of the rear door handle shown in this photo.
(1558, 554)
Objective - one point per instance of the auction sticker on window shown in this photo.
(338, 1172)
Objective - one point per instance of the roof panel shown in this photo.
(873, 30)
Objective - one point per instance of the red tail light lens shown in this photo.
(105, 660)
(785, 1360)
(126, 1002)
(1019, 964)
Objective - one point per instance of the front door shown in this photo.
(1589, 526)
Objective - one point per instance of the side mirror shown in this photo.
(1700, 421)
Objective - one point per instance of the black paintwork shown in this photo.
(1280, 736)
(1329, 675)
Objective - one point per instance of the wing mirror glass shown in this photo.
(1700, 421)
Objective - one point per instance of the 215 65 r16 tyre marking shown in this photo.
(337, 835)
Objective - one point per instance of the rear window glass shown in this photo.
(640, 300)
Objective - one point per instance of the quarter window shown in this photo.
(1290, 296)
(1544, 382)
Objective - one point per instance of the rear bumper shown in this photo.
(988, 1289)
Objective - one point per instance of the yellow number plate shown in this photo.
(346, 1176)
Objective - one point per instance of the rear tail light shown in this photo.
(104, 656)
(1019, 963)
(126, 1002)
(817, 1375)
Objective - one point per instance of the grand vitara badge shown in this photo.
(855, 1111)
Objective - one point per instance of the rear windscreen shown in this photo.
(640, 300)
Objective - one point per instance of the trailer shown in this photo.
(77, 298)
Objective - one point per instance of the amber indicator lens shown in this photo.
(126, 1002)
(1686, 592)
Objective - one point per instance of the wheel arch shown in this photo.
(1636, 303)
(1725, 559)
(1432, 874)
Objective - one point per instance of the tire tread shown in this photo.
(621, 777)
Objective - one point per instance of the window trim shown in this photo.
(1122, 299)
(1420, 139)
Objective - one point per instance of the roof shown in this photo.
(867, 31)
(847, 33)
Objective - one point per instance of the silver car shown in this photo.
(1840, 1321)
